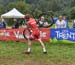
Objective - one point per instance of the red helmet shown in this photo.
(27, 16)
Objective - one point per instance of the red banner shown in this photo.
(17, 34)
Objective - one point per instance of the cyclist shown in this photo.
(31, 22)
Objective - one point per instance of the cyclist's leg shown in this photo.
(37, 36)
(29, 45)
(28, 49)
(43, 46)
(29, 42)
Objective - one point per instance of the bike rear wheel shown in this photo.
(26, 33)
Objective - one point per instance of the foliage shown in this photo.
(72, 13)
(1, 10)
(36, 7)
(21, 6)
(57, 6)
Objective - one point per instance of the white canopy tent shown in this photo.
(14, 13)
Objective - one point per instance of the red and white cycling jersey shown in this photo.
(35, 30)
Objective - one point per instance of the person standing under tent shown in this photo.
(3, 24)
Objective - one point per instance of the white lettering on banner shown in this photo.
(5, 33)
(20, 35)
(43, 34)
(65, 34)
(73, 35)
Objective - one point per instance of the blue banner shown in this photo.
(63, 34)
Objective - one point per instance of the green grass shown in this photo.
(58, 54)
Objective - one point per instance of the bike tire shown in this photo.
(26, 33)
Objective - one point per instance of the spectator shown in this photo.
(65, 19)
(43, 22)
(16, 24)
(60, 23)
(74, 23)
(54, 18)
(3, 24)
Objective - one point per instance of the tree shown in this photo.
(1, 10)
(20, 5)
(72, 13)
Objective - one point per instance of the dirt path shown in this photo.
(12, 61)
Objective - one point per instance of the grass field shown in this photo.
(58, 54)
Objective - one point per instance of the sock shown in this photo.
(28, 49)
(44, 50)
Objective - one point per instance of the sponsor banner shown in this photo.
(45, 34)
(17, 34)
(63, 34)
